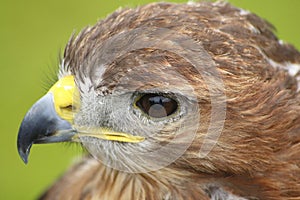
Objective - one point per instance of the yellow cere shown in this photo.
(64, 93)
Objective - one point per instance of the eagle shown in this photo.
(174, 102)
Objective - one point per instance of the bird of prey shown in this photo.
(175, 102)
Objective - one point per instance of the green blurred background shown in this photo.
(32, 34)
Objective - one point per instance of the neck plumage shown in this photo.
(90, 179)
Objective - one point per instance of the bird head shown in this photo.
(146, 89)
(126, 103)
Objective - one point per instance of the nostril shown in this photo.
(68, 107)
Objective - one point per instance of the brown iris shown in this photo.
(156, 105)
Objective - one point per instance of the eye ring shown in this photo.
(157, 105)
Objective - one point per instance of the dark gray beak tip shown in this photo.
(24, 141)
(23, 148)
(24, 155)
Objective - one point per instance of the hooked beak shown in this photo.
(49, 119)
(41, 124)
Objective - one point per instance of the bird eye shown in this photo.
(157, 106)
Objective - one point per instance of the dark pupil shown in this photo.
(156, 105)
